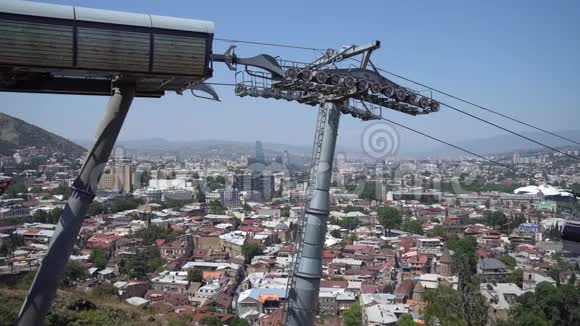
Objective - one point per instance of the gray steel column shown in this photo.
(43, 289)
(304, 295)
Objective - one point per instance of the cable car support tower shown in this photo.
(72, 50)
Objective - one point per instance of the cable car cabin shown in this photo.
(71, 50)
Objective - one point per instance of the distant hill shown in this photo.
(504, 144)
(16, 133)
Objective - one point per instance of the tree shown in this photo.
(96, 208)
(250, 250)
(99, 258)
(195, 275)
(236, 222)
(406, 320)
(439, 231)
(285, 211)
(444, 305)
(336, 233)
(237, 321)
(247, 208)
(40, 216)
(352, 316)
(389, 218)
(215, 207)
(210, 321)
(349, 222)
(412, 227)
(509, 261)
(73, 272)
(54, 215)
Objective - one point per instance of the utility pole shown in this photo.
(43, 289)
(303, 295)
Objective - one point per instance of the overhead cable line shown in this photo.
(268, 44)
(510, 131)
(478, 106)
(457, 147)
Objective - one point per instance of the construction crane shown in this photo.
(72, 50)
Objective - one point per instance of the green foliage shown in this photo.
(349, 222)
(389, 217)
(218, 182)
(138, 266)
(509, 261)
(237, 321)
(444, 305)
(548, 305)
(40, 216)
(154, 232)
(195, 275)
(413, 227)
(439, 231)
(517, 277)
(250, 250)
(236, 222)
(337, 278)
(285, 211)
(352, 316)
(125, 204)
(247, 208)
(336, 233)
(351, 208)
(105, 290)
(406, 320)
(73, 272)
(10, 244)
(215, 207)
(96, 208)
(496, 219)
(99, 258)
(372, 191)
(210, 321)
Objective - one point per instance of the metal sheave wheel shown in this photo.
(335, 79)
(321, 77)
(435, 106)
(348, 82)
(401, 94)
(375, 88)
(362, 85)
(305, 75)
(424, 102)
(291, 73)
(388, 91)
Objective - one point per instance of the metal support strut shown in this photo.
(308, 270)
(43, 289)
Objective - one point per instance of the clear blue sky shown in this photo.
(518, 57)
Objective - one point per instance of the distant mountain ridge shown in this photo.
(16, 133)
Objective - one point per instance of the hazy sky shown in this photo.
(518, 57)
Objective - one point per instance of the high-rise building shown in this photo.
(286, 159)
(260, 158)
(260, 187)
(516, 158)
(118, 178)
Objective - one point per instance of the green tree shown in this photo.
(247, 208)
(96, 208)
(406, 320)
(40, 216)
(352, 316)
(389, 218)
(444, 305)
(250, 250)
(336, 233)
(210, 321)
(195, 275)
(237, 321)
(349, 222)
(73, 272)
(54, 215)
(99, 258)
(285, 211)
(439, 231)
(215, 207)
(413, 226)
(509, 261)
